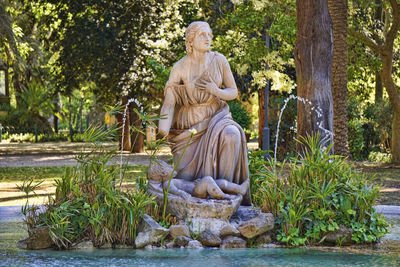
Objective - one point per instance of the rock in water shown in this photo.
(22, 244)
(263, 239)
(194, 244)
(228, 230)
(84, 245)
(252, 222)
(207, 238)
(342, 236)
(181, 241)
(149, 232)
(39, 238)
(233, 242)
(179, 229)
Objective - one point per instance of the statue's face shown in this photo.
(202, 40)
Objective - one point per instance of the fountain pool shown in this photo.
(13, 230)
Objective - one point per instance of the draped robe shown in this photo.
(211, 151)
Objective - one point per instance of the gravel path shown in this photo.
(51, 154)
(55, 160)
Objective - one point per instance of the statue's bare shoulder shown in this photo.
(221, 59)
(177, 71)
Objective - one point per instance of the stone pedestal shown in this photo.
(201, 214)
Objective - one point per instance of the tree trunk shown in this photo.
(137, 138)
(338, 13)
(261, 116)
(126, 135)
(394, 97)
(313, 60)
(378, 87)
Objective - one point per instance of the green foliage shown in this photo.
(239, 114)
(319, 193)
(379, 157)
(287, 128)
(89, 204)
(30, 115)
(243, 41)
(369, 127)
(30, 137)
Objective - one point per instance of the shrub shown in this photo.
(30, 137)
(318, 193)
(239, 114)
(379, 157)
(90, 203)
(369, 127)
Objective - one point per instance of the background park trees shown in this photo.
(84, 55)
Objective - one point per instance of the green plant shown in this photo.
(318, 193)
(379, 157)
(239, 114)
(89, 203)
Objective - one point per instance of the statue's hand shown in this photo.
(209, 86)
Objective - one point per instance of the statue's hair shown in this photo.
(158, 170)
(191, 32)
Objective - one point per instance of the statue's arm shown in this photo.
(168, 106)
(230, 92)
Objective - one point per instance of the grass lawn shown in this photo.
(10, 177)
(389, 178)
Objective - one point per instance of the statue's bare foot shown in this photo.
(244, 187)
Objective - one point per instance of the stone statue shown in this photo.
(159, 173)
(195, 97)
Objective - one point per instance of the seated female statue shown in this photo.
(195, 95)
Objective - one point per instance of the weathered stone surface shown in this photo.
(187, 208)
(106, 246)
(271, 245)
(181, 241)
(233, 242)
(179, 230)
(194, 244)
(252, 222)
(342, 236)
(22, 244)
(148, 247)
(229, 230)
(119, 246)
(199, 225)
(39, 238)
(169, 245)
(88, 244)
(150, 232)
(207, 238)
(244, 213)
(263, 239)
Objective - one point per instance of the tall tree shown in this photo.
(338, 13)
(385, 49)
(313, 60)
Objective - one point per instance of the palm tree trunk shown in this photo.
(338, 13)
(313, 59)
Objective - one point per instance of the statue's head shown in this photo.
(159, 171)
(194, 29)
